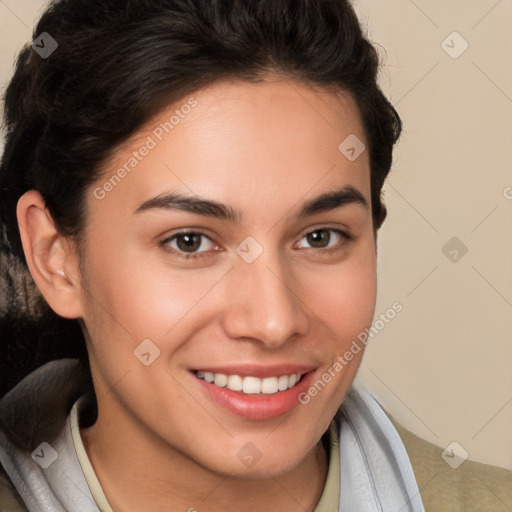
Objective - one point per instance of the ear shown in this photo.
(51, 257)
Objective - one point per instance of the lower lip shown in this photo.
(256, 406)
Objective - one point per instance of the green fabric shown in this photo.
(9, 498)
(472, 487)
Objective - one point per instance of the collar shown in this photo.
(43, 454)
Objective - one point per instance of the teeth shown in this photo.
(251, 385)
(269, 385)
(282, 382)
(235, 382)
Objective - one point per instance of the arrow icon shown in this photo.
(351, 147)
(45, 455)
(451, 454)
(146, 352)
(454, 455)
(249, 455)
(454, 45)
(44, 45)
(249, 249)
(454, 249)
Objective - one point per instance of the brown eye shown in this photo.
(322, 238)
(319, 239)
(187, 244)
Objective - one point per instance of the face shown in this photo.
(237, 247)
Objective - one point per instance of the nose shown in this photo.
(262, 304)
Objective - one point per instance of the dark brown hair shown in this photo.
(118, 62)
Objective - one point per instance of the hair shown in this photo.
(120, 62)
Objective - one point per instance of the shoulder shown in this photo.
(470, 486)
(32, 412)
(36, 408)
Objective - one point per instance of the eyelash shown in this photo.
(345, 239)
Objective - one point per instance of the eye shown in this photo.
(189, 244)
(321, 239)
(195, 244)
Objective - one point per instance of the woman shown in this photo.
(197, 185)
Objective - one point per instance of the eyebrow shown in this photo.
(344, 196)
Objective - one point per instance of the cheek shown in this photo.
(131, 297)
(344, 296)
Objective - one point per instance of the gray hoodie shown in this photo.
(42, 468)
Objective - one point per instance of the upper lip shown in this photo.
(258, 370)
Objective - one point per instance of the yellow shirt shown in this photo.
(330, 499)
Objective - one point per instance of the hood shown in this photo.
(35, 410)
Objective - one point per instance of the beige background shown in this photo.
(443, 365)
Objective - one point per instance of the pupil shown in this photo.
(319, 236)
(187, 242)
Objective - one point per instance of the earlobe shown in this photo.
(50, 257)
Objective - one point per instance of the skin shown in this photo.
(264, 149)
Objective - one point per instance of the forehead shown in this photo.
(264, 142)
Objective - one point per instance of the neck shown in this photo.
(149, 475)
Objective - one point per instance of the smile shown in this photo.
(252, 391)
(251, 385)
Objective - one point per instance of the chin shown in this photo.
(260, 470)
(252, 460)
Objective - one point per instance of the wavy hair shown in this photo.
(118, 63)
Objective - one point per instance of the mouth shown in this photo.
(251, 385)
(252, 392)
